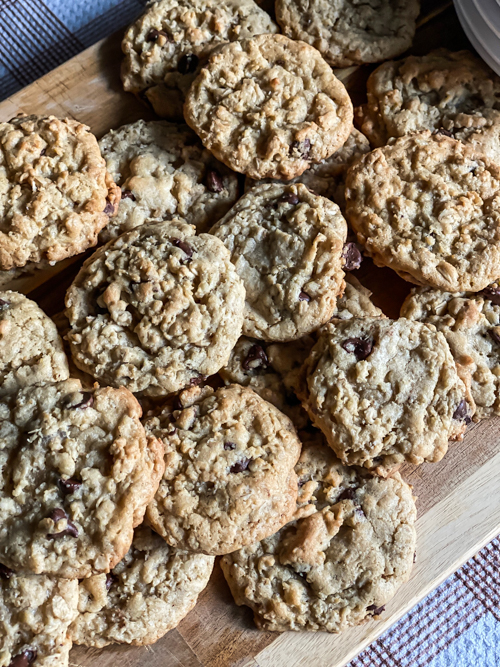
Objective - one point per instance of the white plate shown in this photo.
(482, 38)
(490, 13)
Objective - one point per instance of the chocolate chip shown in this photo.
(4, 304)
(461, 413)
(360, 347)
(347, 494)
(179, 243)
(197, 380)
(70, 529)
(214, 181)
(304, 296)
(43, 151)
(290, 198)
(5, 572)
(128, 194)
(280, 62)
(68, 486)
(86, 402)
(109, 209)
(229, 446)
(256, 353)
(376, 611)
(24, 659)
(352, 257)
(301, 148)
(492, 294)
(415, 557)
(110, 580)
(188, 64)
(240, 466)
(153, 35)
(446, 133)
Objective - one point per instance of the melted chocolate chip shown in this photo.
(4, 305)
(214, 181)
(240, 466)
(492, 294)
(179, 243)
(229, 446)
(304, 296)
(153, 35)
(495, 337)
(360, 347)
(188, 64)
(70, 529)
(352, 257)
(86, 402)
(43, 151)
(444, 131)
(415, 557)
(24, 659)
(256, 353)
(68, 486)
(290, 198)
(301, 148)
(128, 194)
(347, 494)
(109, 209)
(5, 572)
(461, 412)
(280, 62)
(110, 580)
(197, 380)
(376, 611)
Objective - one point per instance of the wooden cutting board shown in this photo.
(458, 498)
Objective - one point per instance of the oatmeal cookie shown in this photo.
(156, 309)
(269, 107)
(429, 207)
(229, 476)
(77, 471)
(166, 47)
(286, 244)
(56, 194)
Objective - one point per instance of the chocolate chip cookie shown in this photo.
(286, 244)
(349, 549)
(384, 392)
(429, 207)
(77, 471)
(156, 309)
(348, 32)
(229, 476)
(56, 192)
(269, 107)
(165, 48)
(164, 171)
(145, 595)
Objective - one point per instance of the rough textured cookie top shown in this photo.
(348, 32)
(286, 244)
(155, 309)
(229, 476)
(348, 551)
(164, 47)
(77, 471)
(429, 207)
(148, 593)
(269, 107)
(452, 92)
(471, 325)
(163, 171)
(55, 193)
(384, 392)
(31, 351)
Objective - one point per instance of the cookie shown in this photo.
(56, 192)
(229, 476)
(286, 244)
(347, 32)
(166, 47)
(31, 351)
(269, 107)
(451, 92)
(429, 207)
(349, 549)
(156, 309)
(77, 471)
(164, 171)
(355, 301)
(147, 594)
(384, 392)
(471, 325)
(35, 613)
(327, 178)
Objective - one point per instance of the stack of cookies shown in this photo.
(226, 386)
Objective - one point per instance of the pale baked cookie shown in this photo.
(349, 549)
(145, 595)
(286, 244)
(229, 476)
(35, 613)
(165, 48)
(155, 309)
(471, 325)
(348, 32)
(327, 178)
(269, 107)
(452, 92)
(429, 207)
(31, 351)
(163, 171)
(384, 392)
(77, 471)
(56, 193)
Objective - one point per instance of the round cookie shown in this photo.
(145, 595)
(56, 192)
(77, 471)
(166, 47)
(164, 171)
(269, 107)
(452, 92)
(286, 244)
(155, 309)
(428, 207)
(31, 351)
(349, 549)
(384, 392)
(347, 32)
(471, 325)
(229, 476)
(35, 613)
